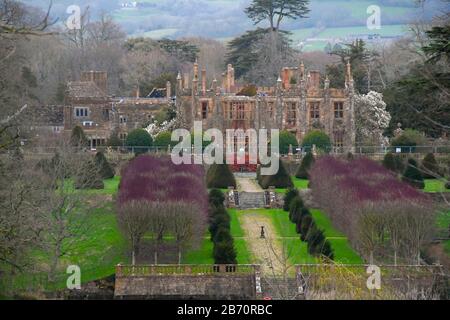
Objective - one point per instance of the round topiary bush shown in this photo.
(286, 139)
(413, 176)
(303, 169)
(447, 185)
(140, 140)
(164, 139)
(430, 167)
(104, 168)
(318, 138)
(220, 176)
(408, 140)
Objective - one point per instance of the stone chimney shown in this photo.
(204, 81)
(286, 78)
(100, 78)
(314, 79)
(168, 90)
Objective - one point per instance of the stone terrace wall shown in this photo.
(220, 287)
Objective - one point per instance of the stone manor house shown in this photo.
(299, 102)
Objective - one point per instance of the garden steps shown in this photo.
(251, 200)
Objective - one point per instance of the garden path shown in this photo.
(247, 184)
(268, 252)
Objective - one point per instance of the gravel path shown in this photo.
(267, 252)
(248, 185)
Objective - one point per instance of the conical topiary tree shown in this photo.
(315, 240)
(104, 168)
(224, 253)
(216, 198)
(413, 176)
(307, 224)
(327, 250)
(295, 209)
(280, 179)
(303, 169)
(389, 162)
(288, 197)
(220, 176)
(430, 167)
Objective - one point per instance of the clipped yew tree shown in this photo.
(220, 176)
(303, 168)
(288, 197)
(389, 162)
(430, 167)
(104, 168)
(413, 176)
(280, 179)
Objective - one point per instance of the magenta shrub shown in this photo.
(380, 214)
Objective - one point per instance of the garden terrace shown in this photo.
(142, 270)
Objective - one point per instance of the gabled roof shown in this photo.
(157, 93)
(84, 89)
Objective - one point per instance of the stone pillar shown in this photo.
(179, 87)
(290, 153)
(168, 90)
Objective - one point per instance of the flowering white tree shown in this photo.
(371, 119)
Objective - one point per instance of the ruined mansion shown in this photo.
(299, 102)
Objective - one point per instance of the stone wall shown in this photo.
(220, 287)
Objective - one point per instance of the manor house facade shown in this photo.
(298, 103)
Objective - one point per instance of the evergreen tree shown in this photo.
(220, 176)
(295, 209)
(291, 193)
(413, 176)
(281, 179)
(224, 253)
(430, 167)
(139, 138)
(307, 224)
(303, 169)
(216, 197)
(104, 168)
(389, 162)
(327, 250)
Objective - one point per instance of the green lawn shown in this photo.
(204, 255)
(285, 229)
(96, 253)
(435, 185)
(443, 222)
(298, 183)
(343, 252)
